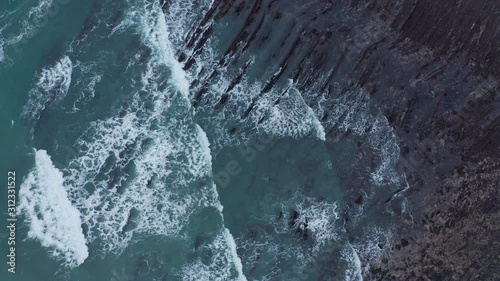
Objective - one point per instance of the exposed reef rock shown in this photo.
(456, 235)
(431, 69)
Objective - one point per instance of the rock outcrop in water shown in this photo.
(432, 69)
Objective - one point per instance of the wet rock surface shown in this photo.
(431, 69)
(455, 236)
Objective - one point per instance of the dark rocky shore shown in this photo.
(432, 68)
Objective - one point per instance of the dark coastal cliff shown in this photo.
(432, 69)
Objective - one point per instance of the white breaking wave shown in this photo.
(384, 140)
(155, 34)
(51, 217)
(2, 54)
(284, 245)
(234, 255)
(353, 271)
(107, 205)
(52, 86)
(351, 113)
(362, 255)
(292, 117)
(218, 268)
(181, 16)
(319, 216)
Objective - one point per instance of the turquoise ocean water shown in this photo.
(119, 177)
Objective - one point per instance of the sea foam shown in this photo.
(292, 117)
(353, 271)
(51, 217)
(36, 18)
(52, 86)
(279, 244)
(220, 266)
(351, 113)
(146, 169)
